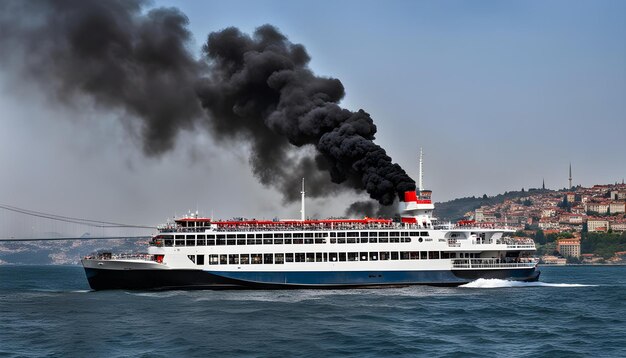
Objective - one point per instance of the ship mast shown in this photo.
(302, 214)
(420, 185)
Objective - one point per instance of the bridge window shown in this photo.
(341, 240)
(333, 234)
(200, 260)
(404, 234)
(320, 234)
(192, 258)
(244, 259)
(268, 236)
(297, 234)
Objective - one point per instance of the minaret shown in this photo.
(570, 176)
(302, 216)
(420, 185)
(543, 184)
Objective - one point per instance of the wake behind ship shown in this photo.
(200, 253)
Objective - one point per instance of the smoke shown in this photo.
(253, 90)
(371, 209)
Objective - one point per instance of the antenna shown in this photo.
(302, 214)
(570, 176)
(420, 184)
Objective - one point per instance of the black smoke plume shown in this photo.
(254, 89)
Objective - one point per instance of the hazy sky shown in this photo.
(500, 94)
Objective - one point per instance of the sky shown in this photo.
(499, 94)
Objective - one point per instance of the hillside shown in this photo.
(454, 210)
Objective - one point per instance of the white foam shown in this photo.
(497, 283)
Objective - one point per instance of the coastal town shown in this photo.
(580, 225)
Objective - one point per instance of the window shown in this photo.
(394, 239)
(287, 241)
(352, 240)
(383, 240)
(394, 255)
(268, 236)
(342, 256)
(341, 234)
(353, 256)
(433, 255)
(373, 239)
(201, 240)
(319, 257)
(230, 241)
(310, 257)
(278, 236)
(320, 241)
(213, 260)
(333, 234)
(200, 260)
(259, 236)
(394, 234)
(384, 255)
(223, 259)
(373, 234)
(414, 233)
(168, 241)
(192, 258)
(297, 234)
(221, 239)
(289, 257)
(268, 258)
(325, 257)
(423, 255)
(363, 240)
(230, 236)
(233, 259)
(341, 240)
(414, 255)
(287, 234)
(241, 241)
(278, 241)
(373, 256)
(353, 234)
(404, 255)
(308, 241)
(244, 259)
(279, 258)
(363, 256)
(210, 242)
(320, 234)
(404, 234)
(424, 233)
(298, 241)
(256, 259)
(364, 234)
(241, 236)
(250, 236)
(299, 257)
(308, 234)
(268, 241)
(180, 240)
(333, 241)
(332, 256)
(251, 242)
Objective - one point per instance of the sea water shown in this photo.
(49, 311)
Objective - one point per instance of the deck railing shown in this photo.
(121, 256)
(491, 263)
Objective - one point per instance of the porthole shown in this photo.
(420, 239)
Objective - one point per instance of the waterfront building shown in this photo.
(569, 247)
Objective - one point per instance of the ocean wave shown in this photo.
(497, 283)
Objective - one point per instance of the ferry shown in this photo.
(200, 253)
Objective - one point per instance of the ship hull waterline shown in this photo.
(185, 279)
